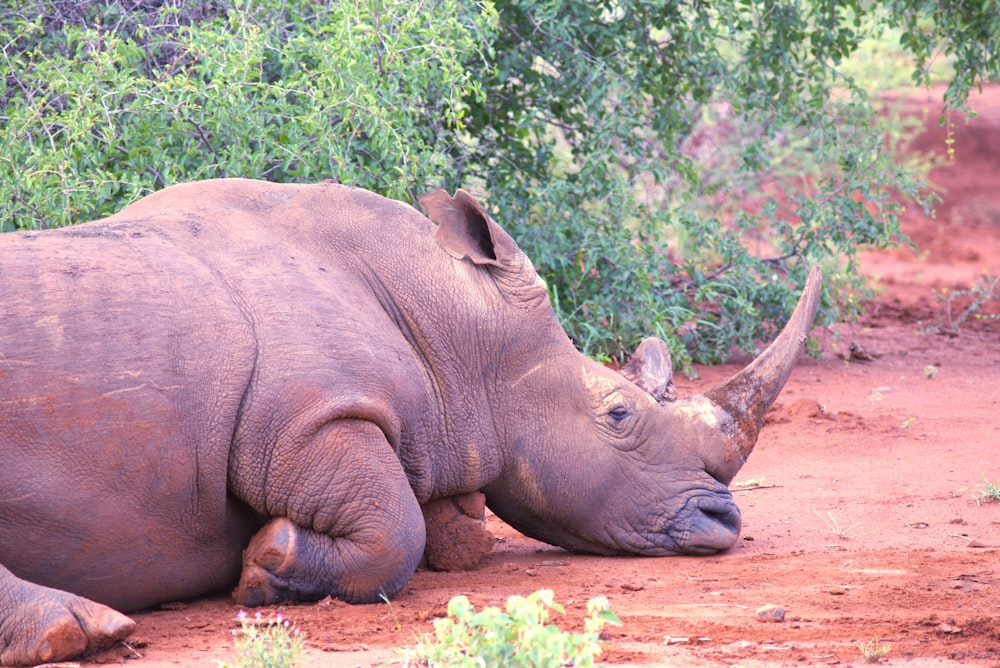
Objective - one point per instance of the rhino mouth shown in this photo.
(706, 524)
(712, 525)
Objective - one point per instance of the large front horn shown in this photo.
(748, 395)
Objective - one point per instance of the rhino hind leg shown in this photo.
(40, 625)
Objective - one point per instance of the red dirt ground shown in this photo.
(863, 523)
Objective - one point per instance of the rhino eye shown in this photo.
(619, 427)
(618, 413)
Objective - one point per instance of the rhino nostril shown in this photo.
(718, 515)
(719, 524)
(723, 512)
(720, 528)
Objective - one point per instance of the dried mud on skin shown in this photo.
(859, 517)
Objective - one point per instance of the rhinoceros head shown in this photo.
(613, 462)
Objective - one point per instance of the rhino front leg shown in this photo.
(39, 624)
(350, 528)
(285, 562)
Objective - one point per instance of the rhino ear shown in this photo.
(652, 370)
(466, 231)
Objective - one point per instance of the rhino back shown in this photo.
(146, 357)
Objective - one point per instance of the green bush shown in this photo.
(519, 635)
(121, 104)
(673, 168)
(266, 643)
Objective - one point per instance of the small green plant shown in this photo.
(752, 483)
(989, 492)
(519, 635)
(836, 528)
(986, 289)
(873, 650)
(266, 643)
(392, 611)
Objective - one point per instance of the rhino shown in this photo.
(234, 382)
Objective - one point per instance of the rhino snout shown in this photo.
(707, 525)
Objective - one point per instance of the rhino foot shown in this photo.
(287, 562)
(268, 563)
(41, 625)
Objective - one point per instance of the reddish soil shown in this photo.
(863, 522)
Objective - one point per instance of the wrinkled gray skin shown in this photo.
(310, 363)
